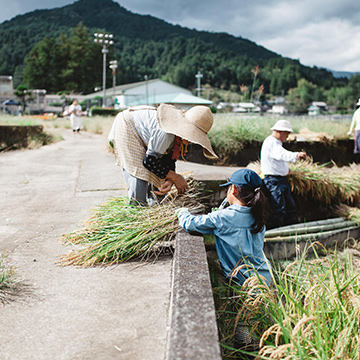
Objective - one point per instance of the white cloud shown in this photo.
(329, 44)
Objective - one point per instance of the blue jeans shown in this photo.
(357, 142)
(281, 200)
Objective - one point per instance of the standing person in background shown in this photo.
(274, 161)
(148, 141)
(355, 126)
(75, 113)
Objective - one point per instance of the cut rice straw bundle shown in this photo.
(323, 183)
(326, 184)
(352, 213)
(118, 231)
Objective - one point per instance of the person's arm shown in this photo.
(162, 165)
(279, 153)
(204, 224)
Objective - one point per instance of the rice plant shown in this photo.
(119, 232)
(230, 133)
(312, 311)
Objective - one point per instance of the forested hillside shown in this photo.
(60, 53)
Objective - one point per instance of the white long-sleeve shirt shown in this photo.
(147, 126)
(355, 122)
(274, 158)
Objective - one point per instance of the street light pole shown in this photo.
(105, 41)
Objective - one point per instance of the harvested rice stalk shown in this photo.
(326, 184)
(352, 213)
(323, 183)
(118, 232)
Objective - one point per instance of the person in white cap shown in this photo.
(274, 160)
(355, 127)
(147, 142)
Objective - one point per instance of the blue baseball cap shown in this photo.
(244, 177)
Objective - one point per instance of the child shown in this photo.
(239, 229)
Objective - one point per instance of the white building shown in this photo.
(150, 92)
(6, 88)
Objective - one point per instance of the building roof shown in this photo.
(126, 88)
(175, 98)
(150, 92)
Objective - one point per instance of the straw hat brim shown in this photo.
(173, 121)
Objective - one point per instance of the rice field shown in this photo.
(237, 129)
(311, 311)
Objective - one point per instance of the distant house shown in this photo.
(150, 92)
(317, 108)
(278, 109)
(243, 107)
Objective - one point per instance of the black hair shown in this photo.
(255, 199)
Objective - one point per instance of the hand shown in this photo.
(179, 210)
(178, 180)
(348, 133)
(164, 188)
(302, 155)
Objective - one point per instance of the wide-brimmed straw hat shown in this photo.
(283, 125)
(192, 125)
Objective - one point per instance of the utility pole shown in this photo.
(113, 66)
(198, 77)
(146, 89)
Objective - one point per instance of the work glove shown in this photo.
(179, 210)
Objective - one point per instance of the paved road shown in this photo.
(117, 312)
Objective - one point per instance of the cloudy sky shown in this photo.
(323, 33)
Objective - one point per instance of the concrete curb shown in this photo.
(193, 332)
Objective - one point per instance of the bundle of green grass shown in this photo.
(117, 231)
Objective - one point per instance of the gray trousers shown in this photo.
(138, 190)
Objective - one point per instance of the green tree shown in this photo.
(22, 92)
(83, 62)
(72, 62)
(40, 71)
(300, 98)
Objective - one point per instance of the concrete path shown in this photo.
(117, 312)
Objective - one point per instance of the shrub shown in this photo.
(103, 111)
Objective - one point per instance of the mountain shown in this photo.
(343, 74)
(147, 45)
